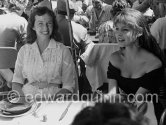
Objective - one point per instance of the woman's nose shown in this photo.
(119, 33)
(45, 27)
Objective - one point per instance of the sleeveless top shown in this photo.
(151, 81)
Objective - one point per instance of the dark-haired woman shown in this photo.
(43, 63)
(138, 67)
(107, 113)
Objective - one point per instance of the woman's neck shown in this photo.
(42, 44)
(131, 52)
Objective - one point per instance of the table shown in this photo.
(52, 112)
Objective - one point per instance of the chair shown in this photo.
(8, 57)
(163, 118)
(73, 52)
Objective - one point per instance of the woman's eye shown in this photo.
(125, 29)
(40, 24)
(116, 29)
(50, 23)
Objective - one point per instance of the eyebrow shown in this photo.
(126, 27)
(43, 21)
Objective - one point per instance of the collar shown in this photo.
(52, 44)
(102, 8)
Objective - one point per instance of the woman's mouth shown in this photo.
(121, 40)
(45, 33)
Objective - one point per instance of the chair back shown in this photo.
(163, 118)
(8, 57)
(143, 108)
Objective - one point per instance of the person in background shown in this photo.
(12, 34)
(79, 33)
(21, 4)
(12, 27)
(106, 34)
(44, 66)
(2, 11)
(44, 3)
(107, 113)
(152, 4)
(138, 67)
(79, 15)
(137, 3)
(33, 3)
(87, 2)
(158, 28)
(29, 7)
(97, 14)
(124, 121)
(1, 4)
(148, 13)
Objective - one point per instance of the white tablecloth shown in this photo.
(52, 111)
(96, 58)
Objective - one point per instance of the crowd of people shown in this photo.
(46, 37)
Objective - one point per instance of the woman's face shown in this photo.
(43, 26)
(97, 4)
(124, 34)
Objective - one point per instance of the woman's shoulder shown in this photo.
(61, 46)
(116, 59)
(24, 47)
(152, 62)
(57, 44)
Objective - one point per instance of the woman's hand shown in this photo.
(17, 93)
(41, 85)
(64, 94)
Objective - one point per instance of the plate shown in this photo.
(19, 110)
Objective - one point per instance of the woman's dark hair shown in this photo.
(39, 11)
(13, 7)
(122, 121)
(119, 5)
(101, 113)
(137, 21)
